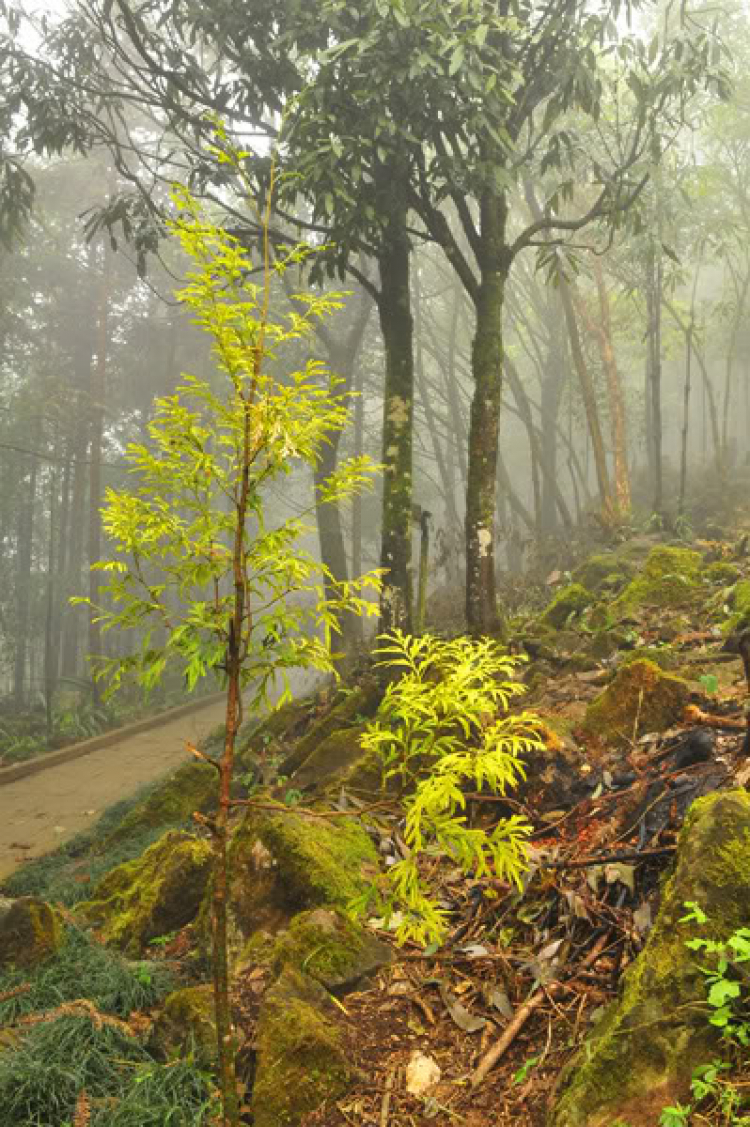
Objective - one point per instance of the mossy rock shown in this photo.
(301, 1059)
(642, 1052)
(172, 803)
(339, 761)
(358, 705)
(186, 1024)
(330, 947)
(154, 895)
(601, 572)
(641, 698)
(31, 931)
(669, 578)
(721, 572)
(739, 601)
(663, 656)
(569, 602)
(285, 863)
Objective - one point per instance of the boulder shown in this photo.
(300, 1057)
(641, 698)
(641, 1055)
(186, 1024)
(30, 932)
(282, 864)
(567, 603)
(154, 895)
(348, 714)
(670, 578)
(332, 949)
(602, 573)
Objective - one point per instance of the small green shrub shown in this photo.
(443, 726)
(716, 1097)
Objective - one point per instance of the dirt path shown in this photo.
(39, 812)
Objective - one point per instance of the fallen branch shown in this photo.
(511, 1031)
(609, 858)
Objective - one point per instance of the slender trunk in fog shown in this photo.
(359, 443)
(487, 356)
(424, 395)
(50, 633)
(588, 395)
(25, 541)
(96, 406)
(73, 583)
(394, 308)
(654, 298)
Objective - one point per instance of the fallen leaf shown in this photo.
(460, 1015)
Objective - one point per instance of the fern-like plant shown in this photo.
(443, 728)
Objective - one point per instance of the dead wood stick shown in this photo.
(511, 1031)
(695, 715)
(609, 858)
(385, 1107)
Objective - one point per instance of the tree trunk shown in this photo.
(394, 308)
(23, 585)
(616, 396)
(96, 406)
(482, 615)
(589, 402)
(653, 305)
(552, 383)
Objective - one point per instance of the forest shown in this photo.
(384, 361)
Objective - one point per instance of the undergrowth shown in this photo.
(43, 1080)
(111, 983)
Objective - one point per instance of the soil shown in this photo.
(41, 811)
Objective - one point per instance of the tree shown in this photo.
(196, 552)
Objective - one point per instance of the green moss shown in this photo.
(739, 601)
(282, 864)
(640, 699)
(31, 931)
(331, 948)
(663, 656)
(186, 1023)
(320, 861)
(567, 603)
(721, 572)
(669, 578)
(171, 803)
(359, 704)
(641, 1055)
(600, 572)
(153, 895)
(300, 1057)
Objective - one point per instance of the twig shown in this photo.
(511, 1031)
(385, 1107)
(608, 858)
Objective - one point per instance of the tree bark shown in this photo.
(589, 401)
(394, 308)
(487, 369)
(24, 551)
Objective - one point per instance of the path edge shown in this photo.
(106, 739)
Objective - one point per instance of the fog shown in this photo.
(625, 354)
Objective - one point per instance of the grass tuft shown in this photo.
(82, 966)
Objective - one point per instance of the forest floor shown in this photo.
(49, 807)
(509, 998)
